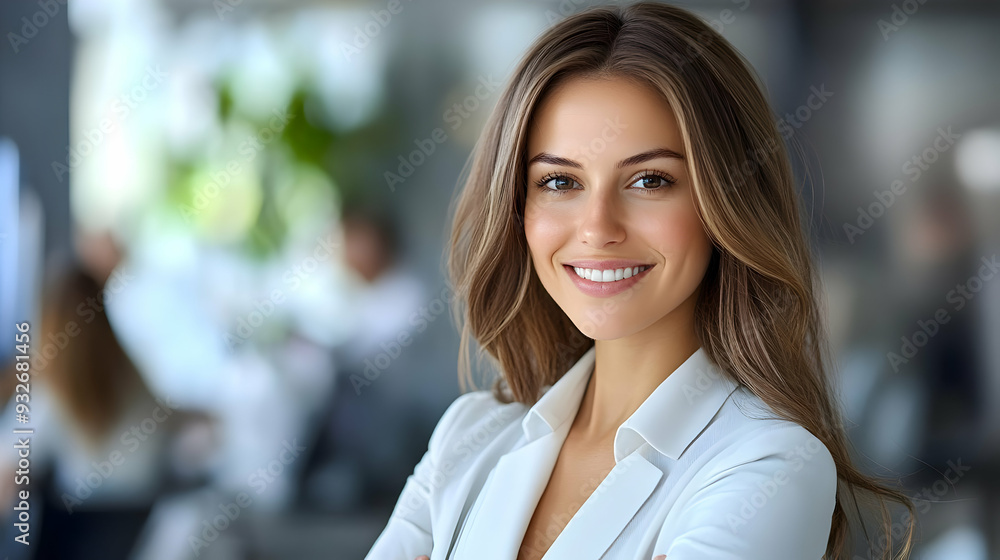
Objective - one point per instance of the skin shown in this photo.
(643, 334)
(644, 210)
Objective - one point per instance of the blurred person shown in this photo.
(938, 299)
(628, 251)
(388, 292)
(912, 372)
(939, 248)
(352, 466)
(101, 450)
(179, 320)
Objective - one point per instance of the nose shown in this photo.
(601, 223)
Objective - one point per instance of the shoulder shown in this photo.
(749, 432)
(761, 476)
(475, 416)
(765, 458)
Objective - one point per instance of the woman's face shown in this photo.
(609, 191)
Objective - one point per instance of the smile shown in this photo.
(615, 275)
(606, 283)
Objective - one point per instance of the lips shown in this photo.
(617, 281)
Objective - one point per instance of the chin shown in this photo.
(599, 324)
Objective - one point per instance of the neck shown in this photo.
(627, 370)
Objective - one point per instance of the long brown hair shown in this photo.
(89, 373)
(757, 315)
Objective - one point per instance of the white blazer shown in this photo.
(703, 470)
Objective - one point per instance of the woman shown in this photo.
(632, 189)
(102, 436)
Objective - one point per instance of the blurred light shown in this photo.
(9, 183)
(498, 36)
(119, 83)
(259, 63)
(349, 83)
(957, 543)
(226, 204)
(192, 111)
(306, 198)
(977, 159)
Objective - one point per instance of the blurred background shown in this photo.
(224, 221)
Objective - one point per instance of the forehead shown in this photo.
(617, 115)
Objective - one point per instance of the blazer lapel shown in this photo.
(498, 524)
(607, 511)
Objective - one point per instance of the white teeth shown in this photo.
(595, 275)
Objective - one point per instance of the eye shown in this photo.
(556, 183)
(653, 180)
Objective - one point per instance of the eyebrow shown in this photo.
(655, 153)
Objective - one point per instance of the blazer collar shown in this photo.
(559, 402)
(668, 420)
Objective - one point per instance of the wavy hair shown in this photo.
(757, 316)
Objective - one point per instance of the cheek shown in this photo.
(678, 234)
(544, 231)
